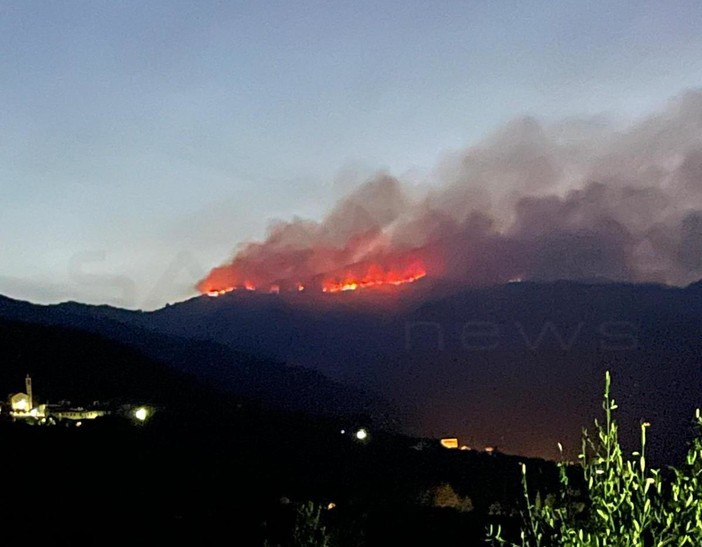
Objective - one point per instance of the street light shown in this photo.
(141, 413)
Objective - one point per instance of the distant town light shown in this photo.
(141, 414)
(449, 442)
(361, 434)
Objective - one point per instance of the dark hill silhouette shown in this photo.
(265, 381)
(519, 366)
(205, 464)
(71, 365)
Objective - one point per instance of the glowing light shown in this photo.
(374, 276)
(220, 292)
(248, 285)
(20, 405)
(391, 272)
(361, 434)
(450, 442)
(141, 414)
(331, 506)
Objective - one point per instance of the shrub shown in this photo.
(446, 497)
(309, 530)
(628, 503)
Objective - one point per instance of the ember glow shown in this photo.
(374, 276)
(219, 292)
(351, 279)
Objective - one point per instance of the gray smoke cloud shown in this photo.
(569, 200)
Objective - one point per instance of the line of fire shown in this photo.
(353, 278)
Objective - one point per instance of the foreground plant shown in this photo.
(628, 504)
(309, 530)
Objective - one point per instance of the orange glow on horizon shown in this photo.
(353, 278)
(220, 292)
(374, 276)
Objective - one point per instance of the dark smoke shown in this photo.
(571, 200)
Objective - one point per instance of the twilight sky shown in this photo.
(141, 141)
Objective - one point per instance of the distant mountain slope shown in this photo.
(265, 381)
(520, 366)
(72, 365)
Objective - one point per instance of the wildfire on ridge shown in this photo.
(247, 285)
(374, 276)
(354, 278)
(220, 292)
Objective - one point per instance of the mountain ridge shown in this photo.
(518, 365)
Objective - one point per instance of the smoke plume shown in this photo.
(569, 200)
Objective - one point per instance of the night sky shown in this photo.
(141, 142)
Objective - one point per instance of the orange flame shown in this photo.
(374, 276)
(220, 292)
(353, 278)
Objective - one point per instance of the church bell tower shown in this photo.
(28, 388)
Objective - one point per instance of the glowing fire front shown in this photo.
(374, 276)
(247, 285)
(220, 292)
(350, 280)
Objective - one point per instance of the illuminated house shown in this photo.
(449, 442)
(77, 414)
(22, 404)
(452, 442)
(22, 407)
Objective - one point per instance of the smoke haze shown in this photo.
(535, 201)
